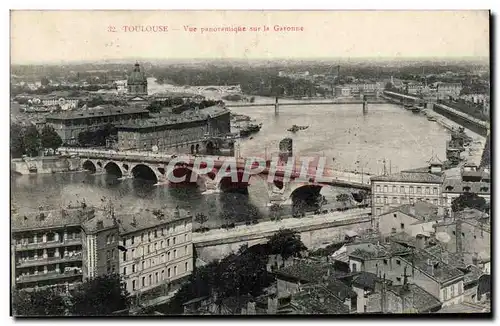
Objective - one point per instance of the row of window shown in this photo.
(403, 200)
(155, 278)
(411, 189)
(171, 255)
(151, 235)
(150, 248)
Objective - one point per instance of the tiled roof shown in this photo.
(317, 299)
(421, 175)
(374, 250)
(144, 219)
(49, 219)
(472, 274)
(421, 210)
(307, 271)
(416, 297)
(366, 280)
(457, 186)
(82, 114)
(433, 266)
(174, 119)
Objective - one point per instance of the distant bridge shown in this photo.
(282, 187)
(354, 101)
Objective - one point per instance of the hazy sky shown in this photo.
(54, 36)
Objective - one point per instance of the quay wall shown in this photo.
(315, 231)
(44, 164)
(441, 109)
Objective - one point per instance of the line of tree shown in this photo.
(101, 296)
(96, 137)
(27, 140)
(241, 273)
(469, 200)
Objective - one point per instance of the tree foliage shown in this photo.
(201, 218)
(468, 200)
(286, 243)
(50, 139)
(45, 302)
(17, 148)
(31, 140)
(100, 296)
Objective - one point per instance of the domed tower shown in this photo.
(137, 83)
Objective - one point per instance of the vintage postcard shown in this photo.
(250, 163)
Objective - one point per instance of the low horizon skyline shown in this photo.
(88, 36)
(125, 60)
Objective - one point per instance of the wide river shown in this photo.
(351, 140)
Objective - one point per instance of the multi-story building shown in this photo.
(471, 180)
(68, 125)
(407, 187)
(149, 249)
(445, 90)
(414, 219)
(469, 233)
(47, 248)
(186, 129)
(64, 103)
(401, 265)
(342, 91)
(415, 88)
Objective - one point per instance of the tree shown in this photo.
(201, 218)
(343, 198)
(100, 296)
(45, 81)
(468, 200)
(50, 139)
(17, 148)
(32, 141)
(286, 243)
(46, 302)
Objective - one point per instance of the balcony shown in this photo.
(47, 261)
(52, 275)
(48, 244)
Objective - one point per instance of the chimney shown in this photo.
(430, 263)
(100, 225)
(177, 213)
(134, 222)
(445, 256)
(420, 241)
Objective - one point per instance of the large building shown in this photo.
(47, 248)
(68, 125)
(407, 187)
(137, 84)
(445, 90)
(185, 130)
(149, 249)
(402, 265)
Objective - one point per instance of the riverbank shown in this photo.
(44, 165)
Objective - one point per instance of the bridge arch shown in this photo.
(113, 169)
(145, 172)
(89, 166)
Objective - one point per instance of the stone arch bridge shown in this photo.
(155, 167)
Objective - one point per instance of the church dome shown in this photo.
(137, 76)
